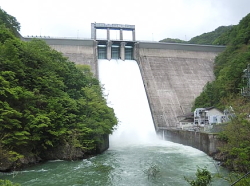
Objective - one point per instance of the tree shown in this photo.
(9, 22)
(237, 132)
(170, 40)
(8, 183)
(203, 178)
(46, 101)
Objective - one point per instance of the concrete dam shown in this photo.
(173, 74)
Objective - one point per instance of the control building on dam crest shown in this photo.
(173, 74)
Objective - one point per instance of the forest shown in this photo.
(225, 91)
(209, 38)
(46, 101)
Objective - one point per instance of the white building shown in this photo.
(202, 119)
(208, 116)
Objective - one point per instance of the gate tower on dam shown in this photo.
(114, 49)
(173, 74)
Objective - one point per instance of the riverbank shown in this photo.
(62, 152)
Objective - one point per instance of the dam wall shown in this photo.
(79, 51)
(174, 75)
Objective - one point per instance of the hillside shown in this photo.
(225, 92)
(229, 66)
(49, 107)
(170, 40)
(210, 38)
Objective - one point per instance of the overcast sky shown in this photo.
(153, 19)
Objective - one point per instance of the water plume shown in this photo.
(126, 94)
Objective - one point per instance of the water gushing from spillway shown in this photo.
(125, 92)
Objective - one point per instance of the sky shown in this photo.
(153, 19)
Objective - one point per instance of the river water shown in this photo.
(134, 147)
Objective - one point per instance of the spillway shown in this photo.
(124, 90)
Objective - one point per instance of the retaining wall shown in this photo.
(208, 143)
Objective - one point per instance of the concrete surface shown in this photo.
(174, 78)
(77, 50)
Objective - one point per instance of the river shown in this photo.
(134, 147)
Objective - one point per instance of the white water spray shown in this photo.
(126, 94)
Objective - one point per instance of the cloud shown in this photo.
(154, 20)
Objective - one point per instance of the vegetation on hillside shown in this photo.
(45, 100)
(216, 37)
(170, 40)
(229, 66)
(206, 178)
(9, 22)
(210, 38)
(225, 91)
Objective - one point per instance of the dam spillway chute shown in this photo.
(125, 92)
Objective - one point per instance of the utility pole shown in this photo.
(245, 91)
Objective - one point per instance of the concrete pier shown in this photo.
(122, 51)
(109, 45)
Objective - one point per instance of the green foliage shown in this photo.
(9, 22)
(203, 178)
(170, 40)
(229, 66)
(237, 137)
(225, 90)
(8, 183)
(210, 37)
(208, 97)
(236, 179)
(217, 37)
(45, 100)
